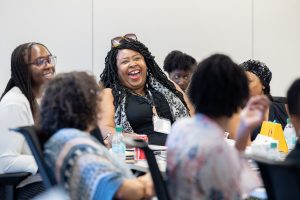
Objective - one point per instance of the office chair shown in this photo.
(30, 134)
(281, 179)
(161, 189)
(9, 181)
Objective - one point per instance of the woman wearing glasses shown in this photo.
(138, 94)
(32, 65)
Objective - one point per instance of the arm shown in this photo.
(138, 188)
(186, 99)
(107, 113)
(251, 116)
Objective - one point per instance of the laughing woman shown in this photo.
(138, 95)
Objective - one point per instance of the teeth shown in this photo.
(134, 72)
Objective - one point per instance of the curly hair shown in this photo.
(70, 101)
(21, 75)
(219, 87)
(261, 70)
(177, 60)
(109, 76)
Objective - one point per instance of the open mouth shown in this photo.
(135, 74)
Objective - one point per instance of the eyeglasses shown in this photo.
(43, 61)
(117, 41)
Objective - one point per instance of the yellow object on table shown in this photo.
(274, 130)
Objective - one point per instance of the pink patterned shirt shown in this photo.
(201, 165)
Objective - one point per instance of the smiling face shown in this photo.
(132, 70)
(41, 71)
(255, 85)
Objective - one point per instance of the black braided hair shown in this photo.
(109, 76)
(21, 75)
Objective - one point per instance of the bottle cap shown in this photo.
(288, 121)
(273, 145)
(119, 128)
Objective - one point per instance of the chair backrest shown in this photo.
(281, 179)
(160, 185)
(30, 134)
(280, 99)
(97, 134)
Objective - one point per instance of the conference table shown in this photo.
(160, 154)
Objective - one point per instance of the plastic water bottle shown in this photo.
(118, 146)
(290, 134)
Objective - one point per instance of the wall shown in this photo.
(79, 31)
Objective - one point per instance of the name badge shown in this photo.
(161, 125)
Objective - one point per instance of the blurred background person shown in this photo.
(259, 78)
(293, 102)
(180, 67)
(138, 94)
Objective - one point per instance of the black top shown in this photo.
(139, 114)
(277, 112)
(294, 155)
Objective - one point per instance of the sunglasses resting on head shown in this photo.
(117, 41)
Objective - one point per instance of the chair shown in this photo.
(30, 134)
(9, 181)
(281, 179)
(97, 134)
(159, 183)
(280, 100)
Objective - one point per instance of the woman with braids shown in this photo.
(138, 94)
(86, 169)
(32, 65)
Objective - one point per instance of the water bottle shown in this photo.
(118, 146)
(289, 134)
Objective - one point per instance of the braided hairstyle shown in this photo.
(110, 79)
(21, 76)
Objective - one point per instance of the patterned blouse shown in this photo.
(85, 168)
(201, 165)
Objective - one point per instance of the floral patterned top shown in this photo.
(201, 165)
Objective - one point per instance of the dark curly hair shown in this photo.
(109, 76)
(261, 70)
(293, 98)
(219, 87)
(177, 60)
(70, 101)
(21, 76)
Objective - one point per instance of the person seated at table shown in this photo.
(32, 65)
(293, 103)
(200, 164)
(138, 95)
(180, 67)
(259, 78)
(86, 169)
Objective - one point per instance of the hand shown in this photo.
(146, 180)
(253, 114)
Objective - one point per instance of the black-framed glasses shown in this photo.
(42, 61)
(117, 41)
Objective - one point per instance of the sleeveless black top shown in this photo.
(277, 112)
(139, 114)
